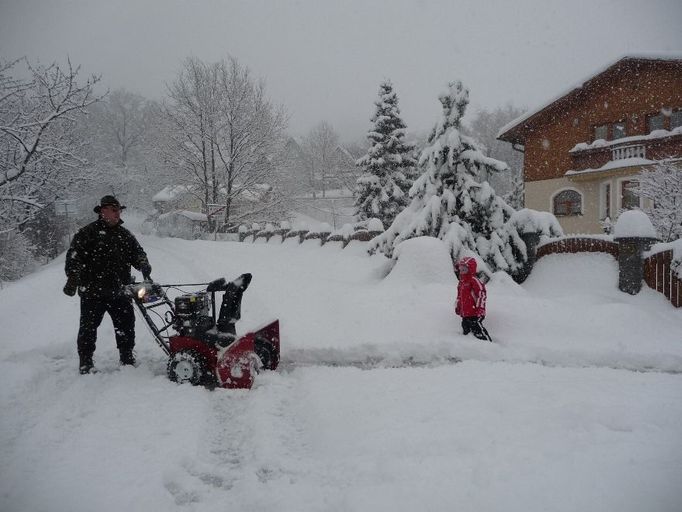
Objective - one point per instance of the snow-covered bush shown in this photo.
(16, 257)
(342, 234)
(375, 225)
(321, 233)
(298, 232)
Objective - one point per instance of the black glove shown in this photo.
(146, 270)
(71, 287)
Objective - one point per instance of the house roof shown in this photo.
(515, 130)
(170, 192)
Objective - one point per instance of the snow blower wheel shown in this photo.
(265, 353)
(187, 366)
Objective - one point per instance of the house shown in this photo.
(182, 224)
(584, 150)
(174, 197)
(181, 205)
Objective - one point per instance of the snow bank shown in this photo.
(422, 260)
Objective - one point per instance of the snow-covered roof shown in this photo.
(170, 192)
(665, 56)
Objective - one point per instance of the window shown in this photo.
(628, 194)
(567, 202)
(656, 122)
(618, 131)
(676, 119)
(605, 201)
(601, 132)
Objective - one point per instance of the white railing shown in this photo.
(633, 151)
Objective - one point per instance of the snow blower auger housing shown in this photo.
(202, 347)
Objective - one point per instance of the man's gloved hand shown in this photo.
(71, 287)
(146, 270)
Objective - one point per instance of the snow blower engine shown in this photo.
(204, 349)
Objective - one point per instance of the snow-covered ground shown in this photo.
(380, 402)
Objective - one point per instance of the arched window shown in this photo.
(567, 202)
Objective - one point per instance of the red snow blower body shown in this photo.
(202, 347)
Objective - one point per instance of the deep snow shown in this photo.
(380, 403)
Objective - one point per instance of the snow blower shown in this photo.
(203, 348)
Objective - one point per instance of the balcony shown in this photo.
(609, 156)
(629, 151)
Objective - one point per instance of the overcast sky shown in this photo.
(323, 60)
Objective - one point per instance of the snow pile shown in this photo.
(634, 223)
(375, 225)
(422, 260)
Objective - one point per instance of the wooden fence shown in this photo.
(658, 272)
(659, 275)
(572, 245)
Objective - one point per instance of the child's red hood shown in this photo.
(469, 263)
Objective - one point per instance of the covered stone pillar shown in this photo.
(531, 239)
(631, 262)
(634, 234)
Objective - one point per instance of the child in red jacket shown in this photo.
(471, 296)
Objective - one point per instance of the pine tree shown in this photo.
(383, 189)
(515, 196)
(447, 201)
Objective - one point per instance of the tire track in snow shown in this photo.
(248, 436)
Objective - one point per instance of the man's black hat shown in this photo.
(108, 201)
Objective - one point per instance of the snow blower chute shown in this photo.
(203, 348)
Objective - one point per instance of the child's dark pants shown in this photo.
(474, 324)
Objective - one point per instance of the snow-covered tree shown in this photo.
(121, 130)
(40, 151)
(516, 195)
(323, 158)
(39, 158)
(383, 190)
(449, 203)
(663, 186)
(484, 128)
(223, 136)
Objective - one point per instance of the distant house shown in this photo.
(174, 197)
(584, 150)
(180, 205)
(182, 224)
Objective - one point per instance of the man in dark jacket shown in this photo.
(98, 267)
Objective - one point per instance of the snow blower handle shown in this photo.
(146, 270)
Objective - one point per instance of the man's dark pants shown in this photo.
(122, 316)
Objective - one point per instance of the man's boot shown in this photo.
(86, 366)
(127, 357)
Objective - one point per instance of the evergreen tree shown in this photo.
(448, 202)
(383, 189)
(516, 195)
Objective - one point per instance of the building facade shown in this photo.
(584, 150)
